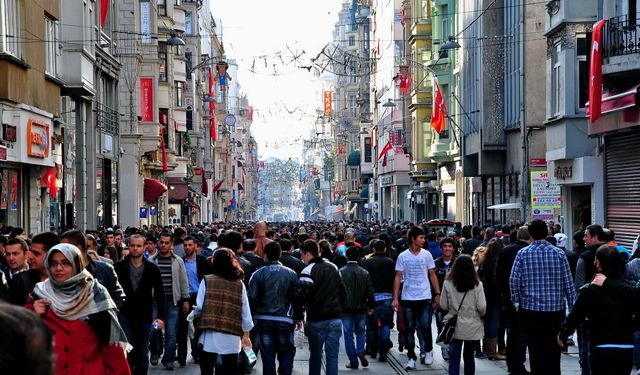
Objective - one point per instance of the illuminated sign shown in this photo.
(38, 139)
(327, 103)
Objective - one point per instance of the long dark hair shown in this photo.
(225, 264)
(463, 274)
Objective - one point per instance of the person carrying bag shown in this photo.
(445, 336)
(464, 323)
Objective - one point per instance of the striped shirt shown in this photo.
(167, 275)
(541, 279)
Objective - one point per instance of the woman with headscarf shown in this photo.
(224, 314)
(88, 338)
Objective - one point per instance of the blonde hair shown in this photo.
(478, 255)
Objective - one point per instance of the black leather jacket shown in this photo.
(274, 292)
(358, 287)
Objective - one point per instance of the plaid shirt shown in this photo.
(541, 280)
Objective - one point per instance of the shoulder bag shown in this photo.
(449, 326)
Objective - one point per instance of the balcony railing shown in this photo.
(622, 36)
(106, 119)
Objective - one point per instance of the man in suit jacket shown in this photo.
(142, 284)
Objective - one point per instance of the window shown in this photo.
(164, 119)
(556, 81)
(188, 57)
(162, 7)
(188, 29)
(445, 31)
(367, 150)
(51, 46)
(189, 120)
(9, 27)
(352, 41)
(353, 179)
(179, 144)
(179, 93)
(583, 45)
(162, 56)
(178, 2)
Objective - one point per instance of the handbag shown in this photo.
(449, 327)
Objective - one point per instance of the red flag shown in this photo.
(205, 186)
(104, 8)
(212, 107)
(250, 113)
(595, 73)
(439, 112)
(165, 167)
(385, 149)
(49, 180)
(217, 186)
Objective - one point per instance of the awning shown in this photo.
(153, 189)
(364, 193)
(506, 206)
(178, 188)
(618, 101)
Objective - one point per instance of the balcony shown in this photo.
(621, 52)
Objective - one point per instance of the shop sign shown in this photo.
(3, 153)
(145, 21)
(538, 162)
(143, 212)
(9, 133)
(545, 214)
(146, 99)
(543, 193)
(386, 180)
(153, 211)
(38, 139)
(562, 173)
(327, 103)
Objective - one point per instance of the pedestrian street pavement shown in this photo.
(394, 365)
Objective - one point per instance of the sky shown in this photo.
(269, 41)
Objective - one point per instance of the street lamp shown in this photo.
(450, 44)
(175, 41)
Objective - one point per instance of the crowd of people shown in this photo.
(116, 301)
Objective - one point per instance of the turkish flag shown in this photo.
(595, 73)
(49, 180)
(104, 9)
(385, 149)
(212, 107)
(163, 146)
(205, 186)
(439, 112)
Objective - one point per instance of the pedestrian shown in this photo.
(541, 291)
(470, 244)
(23, 283)
(286, 257)
(176, 292)
(381, 321)
(487, 271)
(142, 284)
(443, 265)
(608, 318)
(195, 266)
(323, 292)
(224, 314)
(358, 304)
(516, 342)
(27, 344)
(274, 296)
(260, 236)
(463, 296)
(416, 267)
(88, 336)
(16, 253)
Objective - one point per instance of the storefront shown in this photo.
(28, 174)
(394, 204)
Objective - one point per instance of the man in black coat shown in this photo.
(470, 244)
(142, 284)
(516, 343)
(287, 259)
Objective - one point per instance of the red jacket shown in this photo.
(78, 351)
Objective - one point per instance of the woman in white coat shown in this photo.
(463, 295)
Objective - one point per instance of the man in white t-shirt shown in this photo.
(415, 267)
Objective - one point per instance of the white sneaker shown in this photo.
(428, 358)
(411, 364)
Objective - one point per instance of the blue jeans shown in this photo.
(170, 331)
(491, 322)
(276, 338)
(138, 336)
(324, 334)
(583, 349)
(379, 329)
(354, 323)
(418, 317)
(455, 349)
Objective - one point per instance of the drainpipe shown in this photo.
(523, 123)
